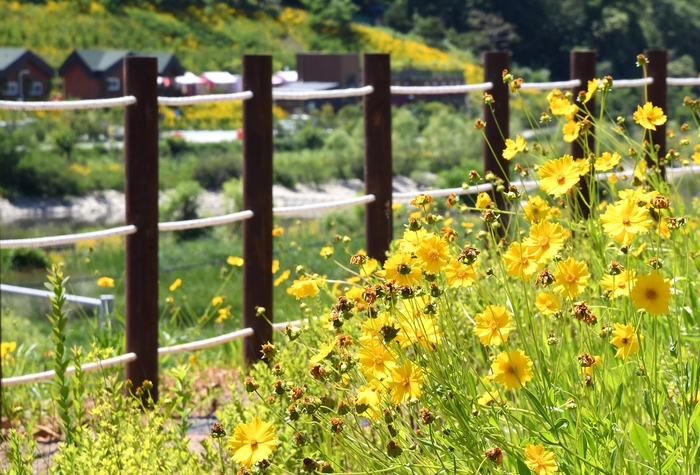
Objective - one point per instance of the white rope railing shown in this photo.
(332, 94)
(683, 81)
(67, 105)
(460, 89)
(542, 86)
(641, 82)
(205, 222)
(202, 99)
(66, 238)
(13, 289)
(293, 210)
(442, 192)
(86, 368)
(201, 344)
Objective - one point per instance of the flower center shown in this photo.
(570, 278)
(561, 179)
(626, 221)
(253, 443)
(406, 382)
(624, 341)
(651, 294)
(404, 269)
(433, 255)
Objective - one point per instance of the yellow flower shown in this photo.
(275, 266)
(513, 147)
(489, 397)
(224, 313)
(369, 267)
(625, 340)
(403, 268)
(283, 276)
(652, 293)
(406, 383)
(546, 239)
(607, 161)
(7, 347)
(372, 327)
(277, 231)
(419, 330)
(326, 252)
(536, 209)
(253, 442)
(582, 166)
(540, 461)
(571, 130)
(571, 277)
(460, 275)
(234, 261)
(411, 240)
(483, 200)
(370, 396)
(558, 176)
(519, 262)
(649, 116)
(624, 219)
(175, 285)
(323, 352)
(619, 285)
(396, 206)
(590, 91)
(547, 303)
(304, 287)
(218, 300)
(433, 253)
(375, 360)
(562, 106)
(493, 326)
(105, 282)
(512, 369)
(696, 156)
(597, 362)
(638, 195)
(613, 178)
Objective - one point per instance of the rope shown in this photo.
(461, 89)
(333, 94)
(409, 195)
(189, 100)
(201, 344)
(205, 222)
(88, 367)
(67, 105)
(683, 81)
(66, 238)
(292, 210)
(540, 86)
(641, 82)
(13, 289)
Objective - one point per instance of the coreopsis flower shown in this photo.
(458, 274)
(619, 285)
(513, 147)
(234, 261)
(253, 442)
(369, 397)
(490, 397)
(372, 327)
(558, 176)
(571, 277)
(483, 200)
(105, 282)
(175, 285)
(406, 383)
(638, 195)
(375, 360)
(597, 361)
(421, 330)
(326, 251)
(433, 253)
(512, 369)
(590, 90)
(571, 131)
(625, 340)
(696, 155)
(304, 287)
(536, 209)
(546, 239)
(403, 268)
(562, 107)
(582, 166)
(218, 300)
(6, 347)
(282, 277)
(652, 293)
(547, 303)
(607, 161)
(323, 352)
(277, 231)
(539, 460)
(649, 116)
(519, 262)
(275, 266)
(493, 325)
(224, 313)
(624, 219)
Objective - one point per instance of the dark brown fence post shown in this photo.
(378, 171)
(657, 95)
(583, 69)
(497, 125)
(141, 195)
(257, 197)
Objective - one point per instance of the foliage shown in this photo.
(183, 204)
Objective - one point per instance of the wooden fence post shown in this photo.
(583, 68)
(497, 126)
(378, 168)
(257, 197)
(141, 195)
(657, 95)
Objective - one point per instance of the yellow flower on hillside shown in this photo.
(607, 161)
(652, 293)
(539, 460)
(625, 340)
(403, 268)
(519, 262)
(649, 116)
(493, 325)
(105, 282)
(253, 442)
(234, 261)
(512, 369)
(536, 209)
(558, 176)
(304, 287)
(283, 276)
(483, 200)
(624, 219)
(571, 277)
(571, 131)
(513, 147)
(433, 253)
(375, 360)
(458, 274)
(406, 383)
(175, 285)
(619, 285)
(547, 303)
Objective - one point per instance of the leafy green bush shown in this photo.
(27, 259)
(183, 204)
(47, 175)
(213, 172)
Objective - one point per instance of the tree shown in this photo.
(331, 23)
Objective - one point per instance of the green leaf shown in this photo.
(561, 423)
(618, 397)
(538, 406)
(522, 468)
(640, 439)
(647, 403)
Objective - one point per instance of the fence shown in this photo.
(141, 191)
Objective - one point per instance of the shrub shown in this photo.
(213, 172)
(183, 204)
(27, 259)
(47, 175)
